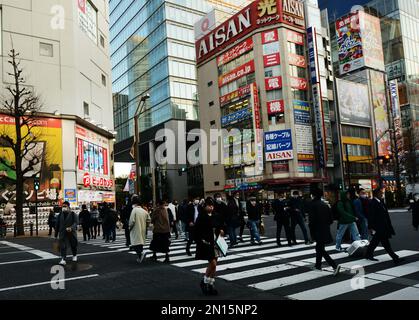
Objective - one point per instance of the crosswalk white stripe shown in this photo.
(410, 293)
(338, 288)
(261, 260)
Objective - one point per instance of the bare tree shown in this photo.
(22, 104)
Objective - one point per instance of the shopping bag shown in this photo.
(56, 246)
(222, 245)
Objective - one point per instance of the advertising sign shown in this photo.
(305, 167)
(395, 104)
(236, 52)
(237, 73)
(257, 126)
(241, 92)
(273, 83)
(295, 37)
(278, 145)
(47, 149)
(269, 36)
(297, 60)
(236, 117)
(205, 25)
(354, 106)
(70, 195)
(271, 60)
(298, 83)
(88, 19)
(312, 54)
(304, 136)
(257, 14)
(276, 106)
(302, 113)
(378, 93)
(372, 41)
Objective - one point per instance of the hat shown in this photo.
(66, 203)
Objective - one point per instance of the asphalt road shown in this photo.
(110, 272)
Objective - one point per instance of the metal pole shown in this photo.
(348, 163)
(242, 177)
(136, 155)
(36, 211)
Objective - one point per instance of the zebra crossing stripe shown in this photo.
(410, 293)
(342, 287)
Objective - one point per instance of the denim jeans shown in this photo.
(254, 233)
(232, 235)
(341, 232)
(363, 228)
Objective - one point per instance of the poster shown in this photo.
(302, 113)
(305, 166)
(88, 19)
(47, 149)
(278, 145)
(354, 105)
(304, 136)
(372, 41)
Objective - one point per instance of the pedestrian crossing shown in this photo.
(288, 271)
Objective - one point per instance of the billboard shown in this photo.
(303, 130)
(88, 19)
(241, 92)
(273, 83)
(379, 101)
(47, 148)
(396, 112)
(278, 145)
(236, 117)
(237, 73)
(354, 106)
(359, 42)
(257, 127)
(236, 52)
(269, 36)
(302, 112)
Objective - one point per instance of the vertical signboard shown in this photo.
(278, 145)
(88, 19)
(395, 104)
(303, 130)
(317, 97)
(257, 127)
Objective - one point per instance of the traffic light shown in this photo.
(385, 159)
(36, 184)
(181, 171)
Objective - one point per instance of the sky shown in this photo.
(339, 7)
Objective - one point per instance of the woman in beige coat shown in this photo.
(138, 224)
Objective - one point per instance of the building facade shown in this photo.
(152, 52)
(256, 82)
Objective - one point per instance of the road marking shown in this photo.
(410, 293)
(338, 288)
(39, 253)
(47, 282)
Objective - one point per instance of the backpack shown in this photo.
(335, 212)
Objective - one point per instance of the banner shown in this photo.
(354, 104)
(241, 92)
(296, 60)
(236, 52)
(88, 19)
(372, 41)
(270, 36)
(257, 127)
(396, 112)
(47, 149)
(298, 83)
(278, 145)
(271, 60)
(236, 117)
(302, 113)
(276, 106)
(237, 73)
(295, 37)
(273, 83)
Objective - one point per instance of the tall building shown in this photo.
(152, 52)
(253, 82)
(64, 49)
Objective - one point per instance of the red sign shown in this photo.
(105, 161)
(299, 83)
(82, 5)
(271, 60)
(256, 107)
(297, 60)
(293, 13)
(89, 180)
(39, 122)
(295, 37)
(237, 73)
(243, 91)
(237, 51)
(86, 180)
(269, 36)
(80, 153)
(273, 83)
(276, 106)
(81, 131)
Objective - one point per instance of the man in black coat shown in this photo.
(320, 219)
(379, 223)
(192, 214)
(282, 218)
(297, 216)
(233, 218)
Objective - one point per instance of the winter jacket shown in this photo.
(345, 209)
(320, 219)
(160, 220)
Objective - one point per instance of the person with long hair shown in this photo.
(161, 231)
(208, 227)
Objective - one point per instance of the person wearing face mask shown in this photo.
(282, 218)
(381, 227)
(66, 232)
(360, 214)
(233, 218)
(415, 212)
(192, 214)
(208, 227)
(253, 220)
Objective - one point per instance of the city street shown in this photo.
(266, 272)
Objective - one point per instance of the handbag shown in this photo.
(56, 246)
(222, 245)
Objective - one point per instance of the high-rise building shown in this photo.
(152, 52)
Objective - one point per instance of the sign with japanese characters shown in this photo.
(278, 145)
(295, 37)
(275, 107)
(298, 83)
(270, 60)
(236, 52)
(269, 36)
(302, 112)
(257, 125)
(88, 19)
(235, 117)
(241, 92)
(237, 73)
(70, 195)
(304, 136)
(45, 150)
(296, 60)
(273, 83)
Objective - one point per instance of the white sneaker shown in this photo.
(62, 262)
(337, 270)
(75, 259)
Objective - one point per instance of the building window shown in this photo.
(102, 41)
(46, 49)
(216, 183)
(211, 103)
(212, 123)
(210, 83)
(104, 80)
(86, 108)
(299, 94)
(297, 72)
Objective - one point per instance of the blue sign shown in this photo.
(278, 145)
(236, 117)
(302, 112)
(312, 55)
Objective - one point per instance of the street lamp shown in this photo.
(137, 114)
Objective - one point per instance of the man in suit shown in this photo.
(66, 232)
(282, 218)
(192, 214)
(381, 227)
(233, 218)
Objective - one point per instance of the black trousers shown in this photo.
(191, 238)
(322, 253)
(138, 250)
(385, 242)
(86, 232)
(127, 235)
(174, 228)
(286, 224)
(71, 240)
(242, 225)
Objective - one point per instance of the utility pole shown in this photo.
(348, 163)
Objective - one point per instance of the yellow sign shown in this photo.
(267, 7)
